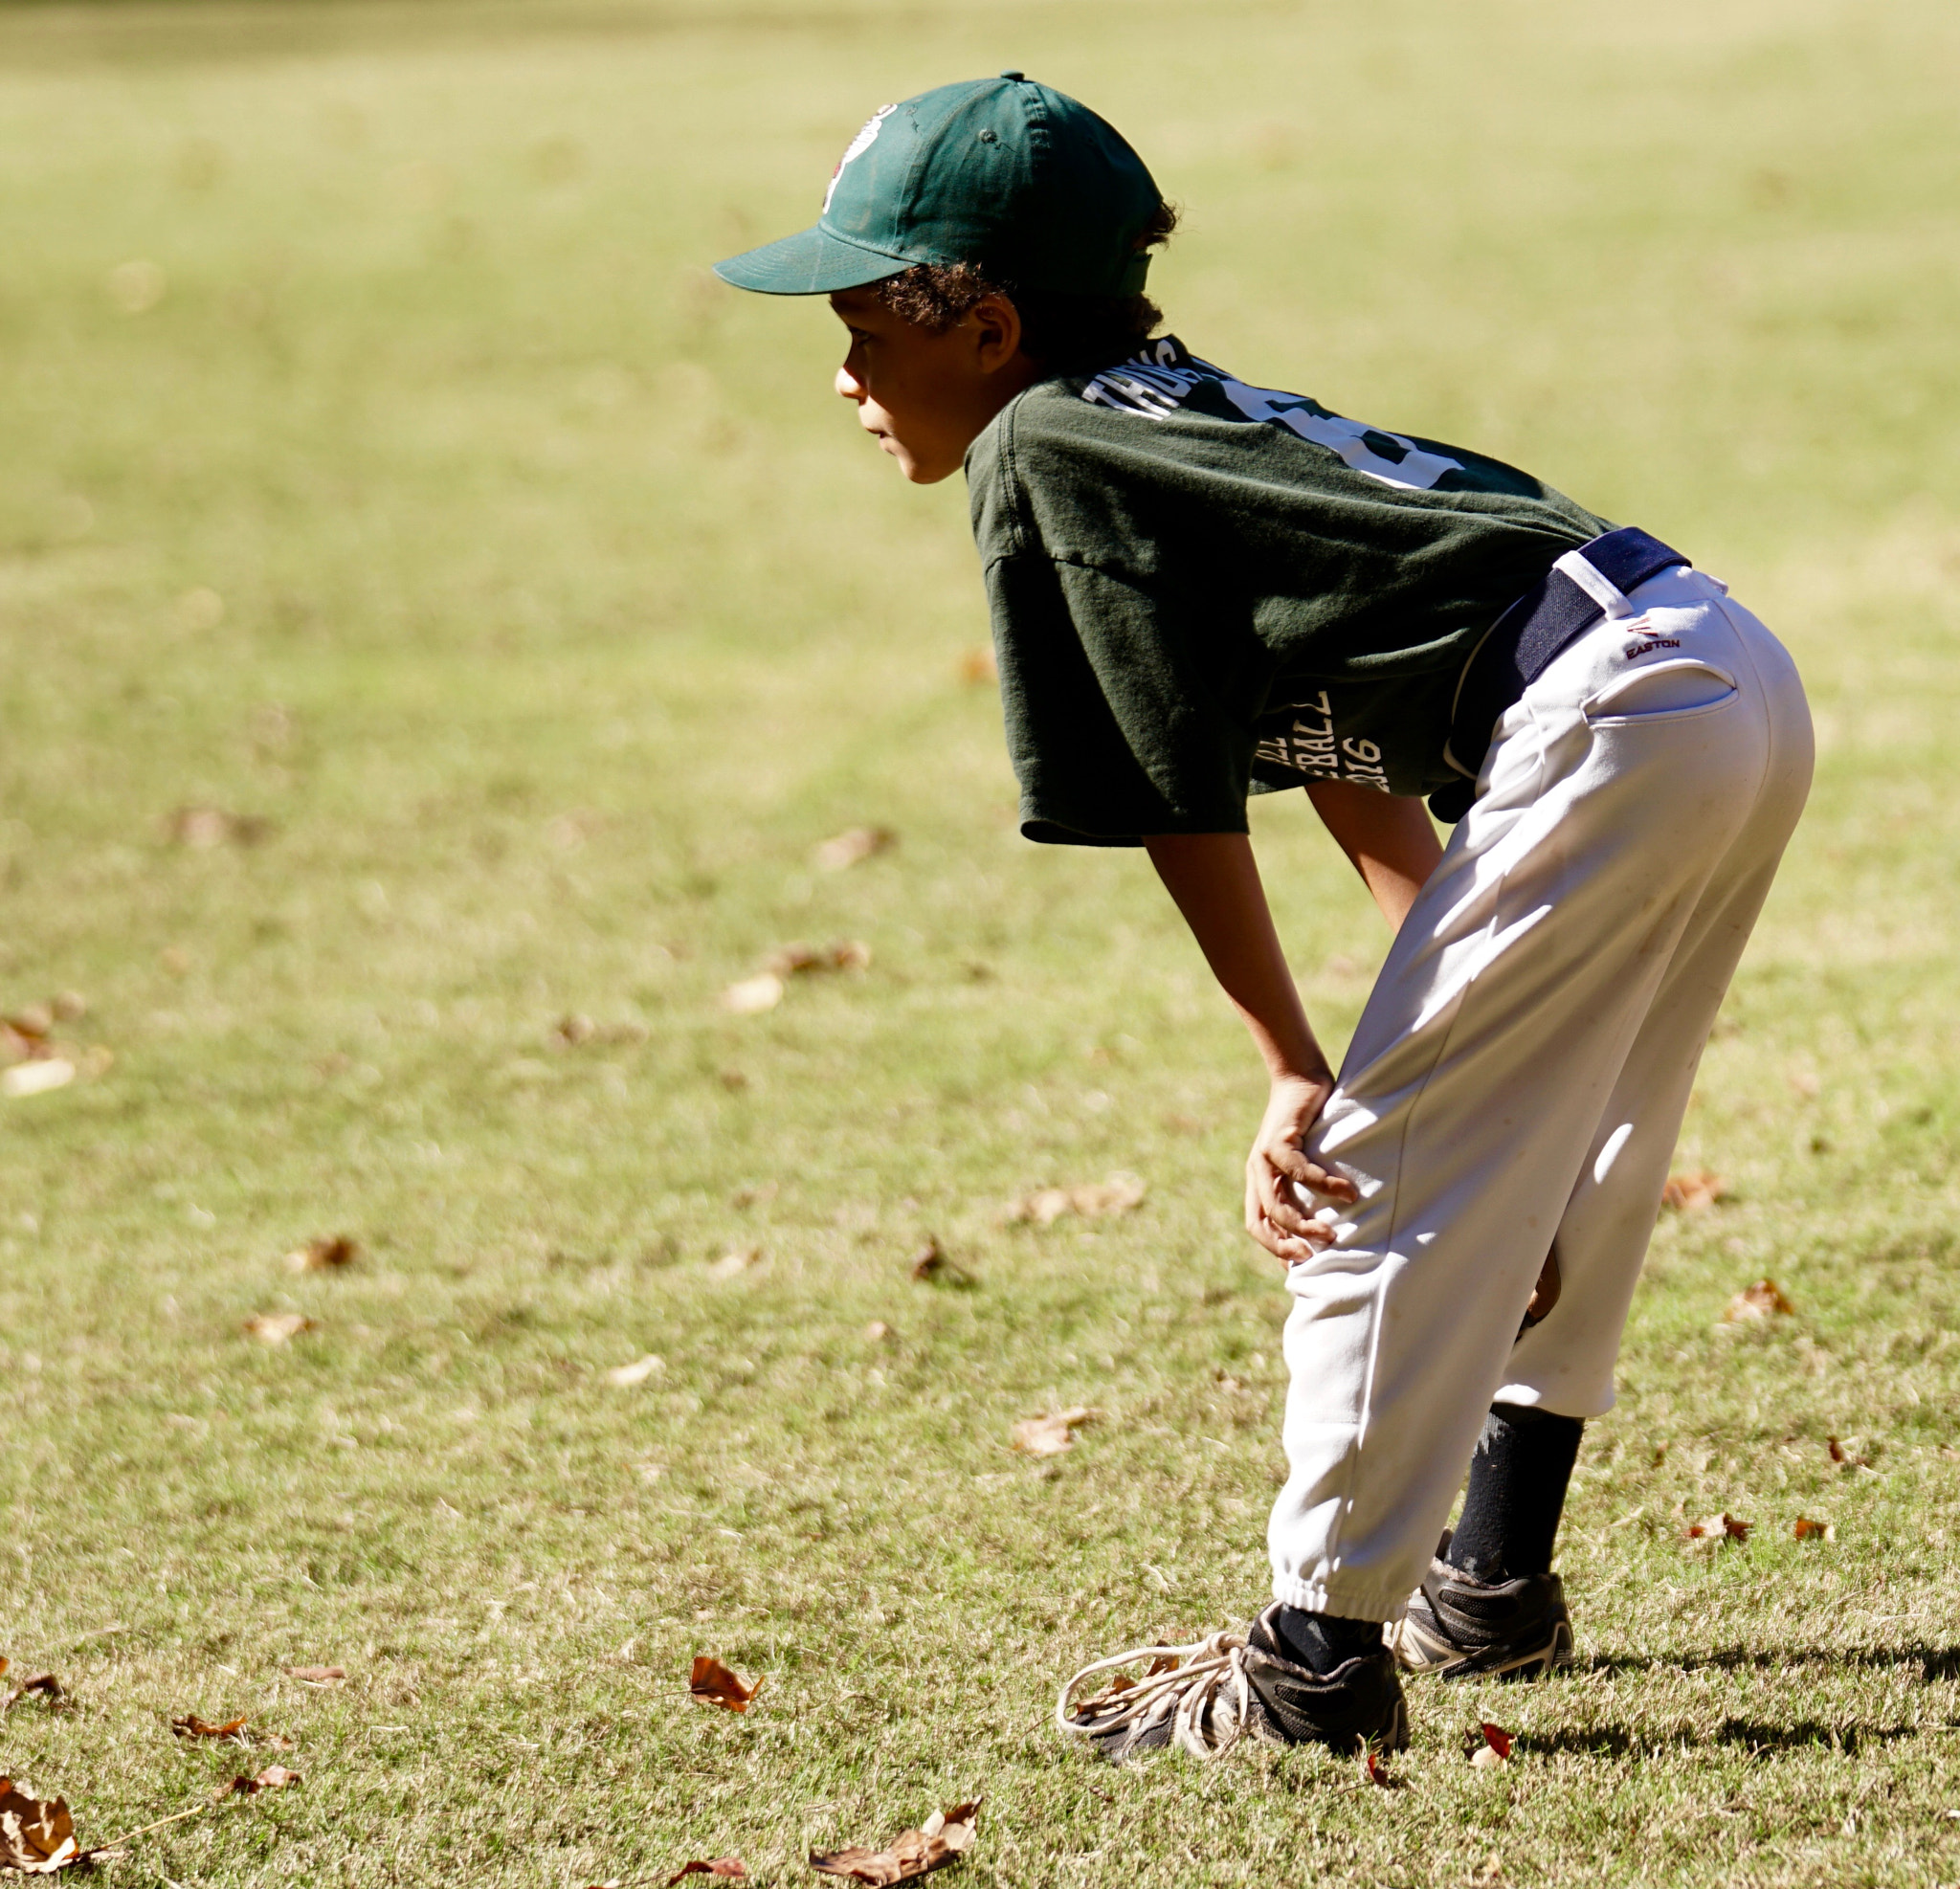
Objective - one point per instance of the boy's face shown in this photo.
(926, 395)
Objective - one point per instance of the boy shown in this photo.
(1202, 588)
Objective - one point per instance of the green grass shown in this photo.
(562, 612)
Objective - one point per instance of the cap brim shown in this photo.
(811, 262)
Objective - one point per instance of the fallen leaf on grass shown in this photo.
(274, 1777)
(847, 849)
(799, 960)
(878, 1331)
(1719, 1527)
(203, 828)
(1765, 1299)
(637, 1373)
(736, 1262)
(714, 1683)
(1050, 1434)
(944, 1837)
(37, 1834)
(1808, 1530)
(277, 1327)
(1840, 1454)
(1372, 1770)
(325, 1255)
(1047, 1204)
(721, 1866)
(1690, 1193)
(191, 1725)
(1488, 1746)
(38, 1076)
(933, 1262)
(317, 1675)
(44, 1686)
(753, 995)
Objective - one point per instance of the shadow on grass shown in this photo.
(1751, 1734)
(1935, 1662)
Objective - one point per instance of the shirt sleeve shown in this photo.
(1115, 719)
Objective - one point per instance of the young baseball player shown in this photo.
(1203, 588)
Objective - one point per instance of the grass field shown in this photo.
(386, 473)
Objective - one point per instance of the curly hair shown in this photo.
(1066, 333)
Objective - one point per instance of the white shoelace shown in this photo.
(1204, 1687)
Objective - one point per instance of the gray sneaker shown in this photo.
(1458, 1628)
(1204, 1697)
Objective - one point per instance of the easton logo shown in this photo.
(1652, 644)
(866, 137)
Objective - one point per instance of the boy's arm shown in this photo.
(1387, 836)
(1216, 882)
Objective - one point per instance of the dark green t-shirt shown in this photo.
(1202, 590)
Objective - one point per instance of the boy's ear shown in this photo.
(996, 330)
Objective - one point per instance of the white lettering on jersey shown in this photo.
(1312, 749)
(1154, 387)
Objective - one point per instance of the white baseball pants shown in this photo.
(1521, 1072)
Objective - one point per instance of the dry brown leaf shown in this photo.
(721, 1866)
(203, 828)
(933, 1262)
(191, 1725)
(1843, 1454)
(637, 1373)
(859, 843)
(277, 1327)
(1690, 1193)
(274, 1777)
(317, 1675)
(1373, 1770)
(752, 995)
(37, 1834)
(736, 1262)
(1050, 1434)
(1808, 1530)
(978, 665)
(325, 1255)
(714, 1683)
(943, 1839)
(1765, 1299)
(800, 959)
(878, 1331)
(1045, 1206)
(44, 1686)
(571, 1030)
(1720, 1528)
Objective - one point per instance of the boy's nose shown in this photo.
(848, 385)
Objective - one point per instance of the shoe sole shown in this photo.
(1118, 1750)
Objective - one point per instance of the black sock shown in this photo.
(1517, 1491)
(1323, 1641)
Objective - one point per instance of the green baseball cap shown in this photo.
(1013, 177)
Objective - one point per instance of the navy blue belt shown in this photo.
(1581, 589)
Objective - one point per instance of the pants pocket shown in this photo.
(1666, 691)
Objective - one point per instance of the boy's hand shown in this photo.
(1276, 1164)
